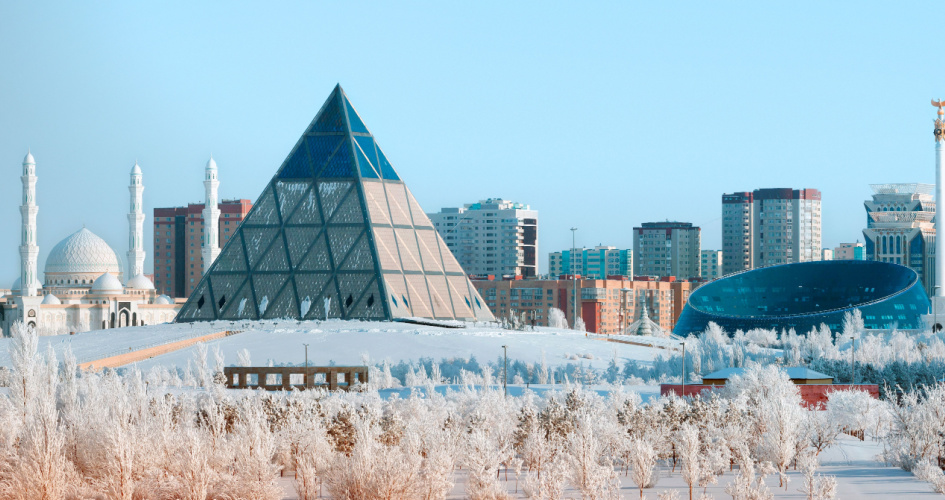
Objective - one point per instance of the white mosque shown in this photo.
(82, 284)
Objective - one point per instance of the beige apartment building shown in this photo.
(606, 306)
(711, 264)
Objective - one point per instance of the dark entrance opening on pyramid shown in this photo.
(336, 234)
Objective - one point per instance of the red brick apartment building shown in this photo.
(178, 264)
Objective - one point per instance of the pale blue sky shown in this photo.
(599, 115)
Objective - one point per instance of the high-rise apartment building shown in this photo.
(667, 249)
(768, 227)
(736, 232)
(492, 237)
(712, 264)
(599, 262)
(849, 251)
(178, 233)
(900, 227)
(786, 226)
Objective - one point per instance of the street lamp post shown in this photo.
(934, 311)
(683, 369)
(306, 355)
(505, 371)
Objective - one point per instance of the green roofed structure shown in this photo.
(337, 234)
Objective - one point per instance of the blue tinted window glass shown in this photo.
(321, 148)
(297, 165)
(331, 119)
(340, 165)
(367, 145)
(387, 170)
(366, 169)
(356, 124)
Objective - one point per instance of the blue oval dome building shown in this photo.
(804, 295)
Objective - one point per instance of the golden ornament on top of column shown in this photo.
(939, 122)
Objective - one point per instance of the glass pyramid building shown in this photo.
(336, 233)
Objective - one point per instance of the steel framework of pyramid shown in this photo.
(335, 227)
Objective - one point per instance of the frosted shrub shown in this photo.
(557, 319)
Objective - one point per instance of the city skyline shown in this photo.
(90, 89)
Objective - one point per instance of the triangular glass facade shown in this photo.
(336, 233)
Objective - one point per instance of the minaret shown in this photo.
(136, 224)
(211, 216)
(939, 276)
(29, 251)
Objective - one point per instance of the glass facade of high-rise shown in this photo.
(805, 295)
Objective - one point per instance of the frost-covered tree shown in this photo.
(689, 448)
(643, 462)
(556, 318)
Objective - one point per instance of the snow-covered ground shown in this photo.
(351, 342)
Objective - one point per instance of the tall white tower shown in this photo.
(938, 285)
(29, 251)
(211, 216)
(136, 224)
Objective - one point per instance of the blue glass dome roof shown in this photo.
(804, 295)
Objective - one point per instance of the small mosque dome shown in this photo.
(29, 159)
(107, 283)
(163, 300)
(17, 284)
(50, 299)
(140, 282)
(211, 164)
(136, 170)
(82, 252)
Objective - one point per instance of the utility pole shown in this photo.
(574, 281)
(505, 371)
(306, 355)
(683, 368)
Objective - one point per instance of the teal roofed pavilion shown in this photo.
(336, 233)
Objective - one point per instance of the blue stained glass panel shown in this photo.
(340, 165)
(331, 119)
(356, 124)
(321, 148)
(297, 166)
(367, 170)
(387, 170)
(367, 145)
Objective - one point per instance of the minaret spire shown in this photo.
(136, 252)
(211, 216)
(29, 251)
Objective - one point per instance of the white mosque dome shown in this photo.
(140, 282)
(136, 169)
(50, 299)
(29, 159)
(163, 299)
(83, 252)
(211, 164)
(107, 283)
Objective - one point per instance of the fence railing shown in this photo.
(285, 378)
